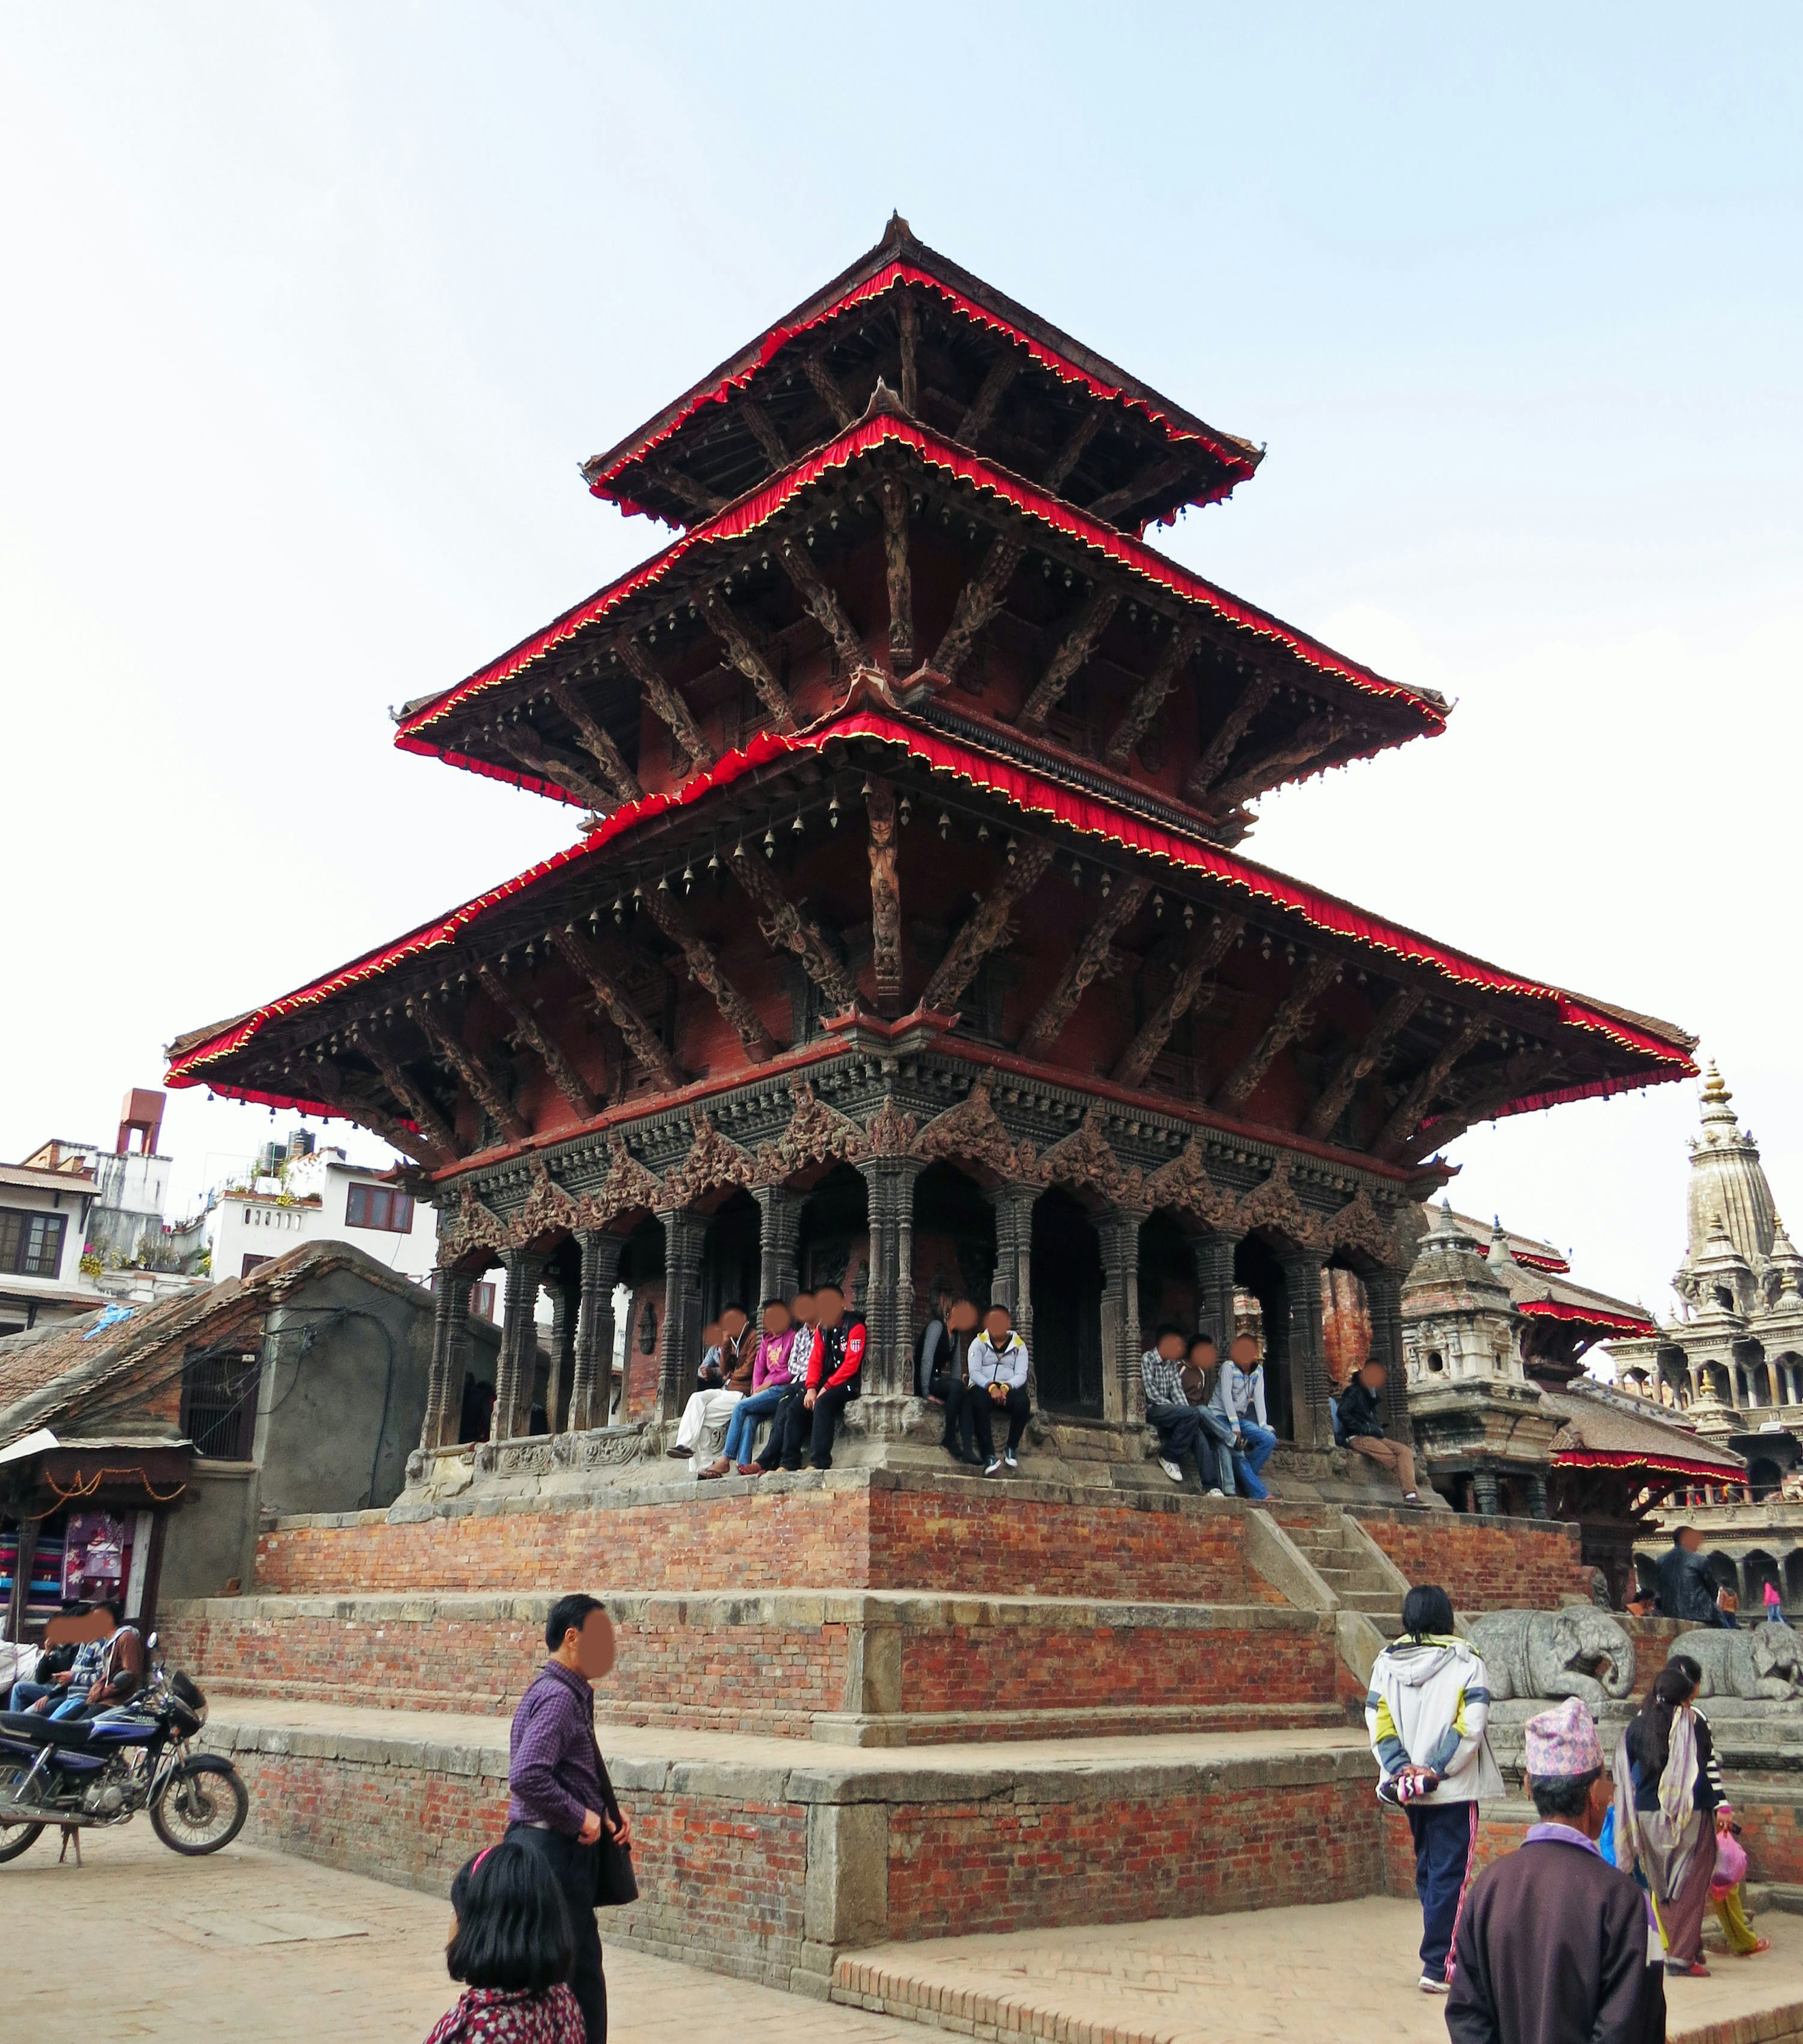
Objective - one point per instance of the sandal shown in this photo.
(723, 1467)
(1753, 1950)
(1697, 1971)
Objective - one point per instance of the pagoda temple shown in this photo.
(908, 934)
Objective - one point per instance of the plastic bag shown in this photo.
(1731, 1864)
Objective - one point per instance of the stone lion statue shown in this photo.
(1578, 1651)
(1764, 1661)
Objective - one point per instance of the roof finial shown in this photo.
(1713, 1090)
(898, 229)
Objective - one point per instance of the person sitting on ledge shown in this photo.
(1358, 1423)
(708, 1407)
(1168, 1411)
(770, 1379)
(948, 1387)
(998, 1365)
(833, 1379)
(1217, 1462)
(1238, 1396)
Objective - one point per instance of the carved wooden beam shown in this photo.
(599, 741)
(823, 603)
(907, 321)
(763, 431)
(894, 495)
(328, 1084)
(1359, 1061)
(705, 967)
(993, 388)
(1068, 455)
(783, 923)
(641, 1040)
(411, 1098)
(827, 390)
(1143, 1052)
(666, 704)
(696, 495)
(886, 895)
(1294, 1017)
(1155, 476)
(1258, 691)
(1088, 959)
(475, 1074)
(1412, 1110)
(986, 927)
(568, 1080)
(1312, 738)
(978, 602)
(1092, 620)
(1148, 698)
(748, 651)
(556, 767)
(1479, 1096)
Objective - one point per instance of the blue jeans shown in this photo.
(1261, 1444)
(742, 1428)
(73, 1706)
(25, 1694)
(1444, 1835)
(1214, 1440)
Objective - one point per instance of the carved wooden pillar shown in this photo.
(1213, 1256)
(519, 1347)
(1383, 1297)
(889, 1184)
(450, 1354)
(591, 1380)
(1013, 1287)
(557, 1390)
(779, 1217)
(1485, 1496)
(1123, 1393)
(681, 1351)
(1304, 1349)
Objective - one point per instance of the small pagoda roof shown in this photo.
(1600, 1428)
(973, 362)
(1537, 1275)
(1615, 1056)
(1308, 686)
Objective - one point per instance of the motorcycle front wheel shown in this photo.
(202, 1809)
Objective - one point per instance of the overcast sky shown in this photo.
(311, 312)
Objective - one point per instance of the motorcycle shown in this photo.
(99, 1772)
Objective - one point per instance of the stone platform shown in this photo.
(771, 1859)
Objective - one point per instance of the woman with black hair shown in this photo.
(511, 1944)
(1664, 1802)
(1426, 1715)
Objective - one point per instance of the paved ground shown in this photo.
(253, 1945)
(1343, 1974)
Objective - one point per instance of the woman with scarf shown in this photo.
(1665, 1804)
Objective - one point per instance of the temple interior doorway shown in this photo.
(954, 1247)
(730, 1258)
(1167, 1276)
(832, 1236)
(1067, 1280)
(1257, 1270)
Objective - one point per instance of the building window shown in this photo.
(31, 1244)
(380, 1206)
(219, 1404)
(482, 1301)
(252, 1263)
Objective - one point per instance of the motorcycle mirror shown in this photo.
(150, 1641)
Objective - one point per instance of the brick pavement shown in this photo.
(1344, 1971)
(252, 1944)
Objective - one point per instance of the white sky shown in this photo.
(310, 312)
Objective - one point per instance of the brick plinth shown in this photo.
(859, 1667)
(866, 1529)
(1483, 1564)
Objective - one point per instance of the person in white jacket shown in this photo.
(997, 1365)
(1426, 1716)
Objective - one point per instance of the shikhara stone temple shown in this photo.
(908, 938)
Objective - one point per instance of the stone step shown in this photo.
(853, 1667)
(773, 1860)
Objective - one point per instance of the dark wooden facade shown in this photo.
(907, 926)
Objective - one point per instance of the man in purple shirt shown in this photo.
(562, 1801)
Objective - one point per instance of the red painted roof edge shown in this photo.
(1626, 1459)
(1242, 462)
(759, 506)
(1560, 1309)
(1026, 792)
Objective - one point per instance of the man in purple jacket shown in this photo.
(562, 1799)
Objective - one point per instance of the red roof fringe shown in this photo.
(1658, 1465)
(886, 279)
(761, 505)
(1588, 1316)
(1031, 795)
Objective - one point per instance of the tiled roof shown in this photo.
(1598, 1421)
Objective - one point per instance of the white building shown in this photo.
(320, 1198)
(43, 1218)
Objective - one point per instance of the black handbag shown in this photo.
(615, 1883)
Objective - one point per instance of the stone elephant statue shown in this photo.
(1763, 1661)
(1578, 1651)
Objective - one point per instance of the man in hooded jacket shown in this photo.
(1426, 1715)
